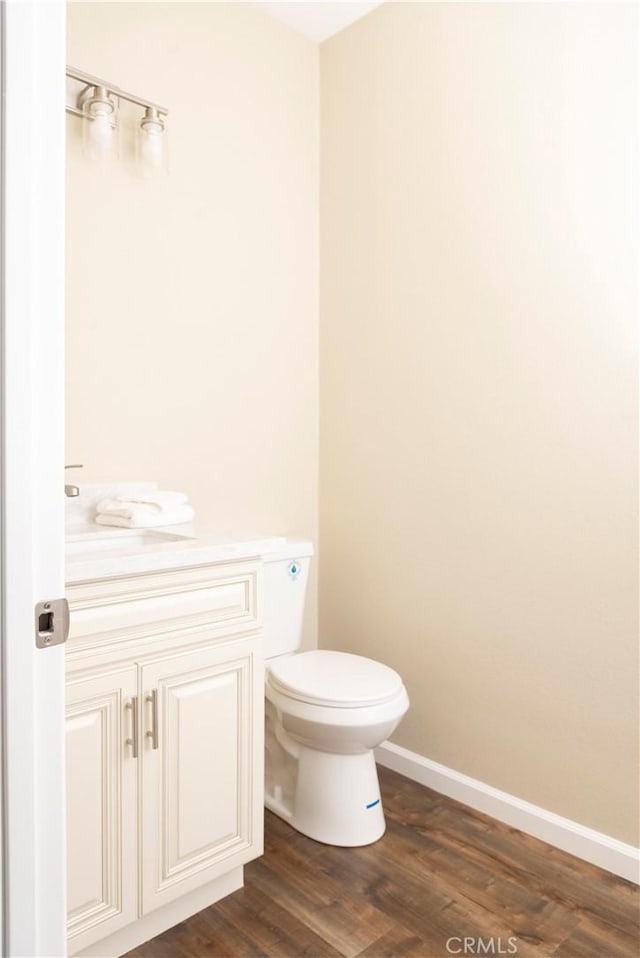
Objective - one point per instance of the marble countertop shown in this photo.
(101, 552)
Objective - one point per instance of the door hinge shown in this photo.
(52, 622)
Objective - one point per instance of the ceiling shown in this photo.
(319, 19)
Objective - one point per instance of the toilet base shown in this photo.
(336, 799)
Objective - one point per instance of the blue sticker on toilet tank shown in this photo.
(294, 570)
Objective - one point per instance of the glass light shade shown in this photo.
(152, 144)
(100, 128)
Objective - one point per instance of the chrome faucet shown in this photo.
(72, 491)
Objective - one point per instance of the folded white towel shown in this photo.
(128, 506)
(145, 517)
(163, 500)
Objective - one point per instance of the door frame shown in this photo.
(32, 504)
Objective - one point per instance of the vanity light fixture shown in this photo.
(97, 102)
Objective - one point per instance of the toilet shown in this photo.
(325, 713)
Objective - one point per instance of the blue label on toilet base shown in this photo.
(373, 804)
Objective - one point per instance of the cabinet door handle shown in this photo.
(132, 706)
(153, 734)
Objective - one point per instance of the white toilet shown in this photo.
(325, 713)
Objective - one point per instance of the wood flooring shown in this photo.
(440, 874)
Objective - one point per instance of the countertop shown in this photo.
(102, 552)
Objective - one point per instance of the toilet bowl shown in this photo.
(325, 713)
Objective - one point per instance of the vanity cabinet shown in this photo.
(164, 748)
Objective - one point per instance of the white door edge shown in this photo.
(32, 473)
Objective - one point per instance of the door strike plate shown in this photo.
(51, 622)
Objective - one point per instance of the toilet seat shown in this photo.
(334, 679)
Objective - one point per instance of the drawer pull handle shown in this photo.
(153, 733)
(132, 706)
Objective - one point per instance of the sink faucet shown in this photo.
(72, 491)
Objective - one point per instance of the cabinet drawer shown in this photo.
(223, 595)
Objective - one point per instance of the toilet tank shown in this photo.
(285, 572)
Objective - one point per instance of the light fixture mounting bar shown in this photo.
(87, 80)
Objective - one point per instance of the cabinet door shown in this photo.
(202, 789)
(101, 806)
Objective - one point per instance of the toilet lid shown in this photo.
(336, 679)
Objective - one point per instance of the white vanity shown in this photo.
(165, 722)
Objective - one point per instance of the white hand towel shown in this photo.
(127, 506)
(163, 500)
(144, 517)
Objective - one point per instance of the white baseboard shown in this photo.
(578, 840)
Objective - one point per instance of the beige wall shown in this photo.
(192, 302)
(478, 382)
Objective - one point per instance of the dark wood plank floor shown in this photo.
(440, 872)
